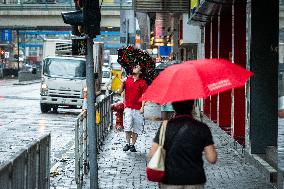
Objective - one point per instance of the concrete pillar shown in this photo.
(162, 25)
(176, 20)
(128, 26)
(263, 61)
(239, 57)
(144, 24)
(225, 50)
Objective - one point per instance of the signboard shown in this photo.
(6, 35)
(79, 47)
(7, 54)
(165, 50)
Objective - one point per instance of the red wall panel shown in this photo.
(207, 55)
(240, 59)
(225, 101)
(214, 55)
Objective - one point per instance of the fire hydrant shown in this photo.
(118, 108)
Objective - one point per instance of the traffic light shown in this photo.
(92, 17)
(86, 19)
(74, 18)
(2, 54)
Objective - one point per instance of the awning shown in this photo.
(181, 6)
(201, 11)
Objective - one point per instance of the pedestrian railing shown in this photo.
(104, 123)
(29, 169)
(53, 5)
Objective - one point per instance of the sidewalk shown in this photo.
(118, 169)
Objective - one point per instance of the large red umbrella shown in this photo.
(195, 79)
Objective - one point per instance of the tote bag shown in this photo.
(156, 167)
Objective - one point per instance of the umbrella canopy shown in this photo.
(195, 79)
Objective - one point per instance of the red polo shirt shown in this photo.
(133, 92)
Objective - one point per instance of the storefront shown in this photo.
(245, 32)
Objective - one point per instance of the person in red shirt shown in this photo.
(134, 87)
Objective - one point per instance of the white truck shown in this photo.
(64, 76)
(106, 80)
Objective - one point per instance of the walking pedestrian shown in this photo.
(84, 105)
(134, 87)
(185, 141)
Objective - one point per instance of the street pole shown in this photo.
(91, 114)
(18, 41)
(92, 18)
(89, 18)
(127, 31)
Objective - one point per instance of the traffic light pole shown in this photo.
(18, 43)
(89, 17)
(92, 28)
(91, 115)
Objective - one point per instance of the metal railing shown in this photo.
(66, 5)
(104, 123)
(29, 169)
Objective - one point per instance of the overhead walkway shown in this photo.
(47, 13)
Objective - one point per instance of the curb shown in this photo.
(26, 82)
(268, 171)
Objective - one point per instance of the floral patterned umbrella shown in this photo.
(129, 57)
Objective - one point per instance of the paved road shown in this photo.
(20, 116)
(118, 169)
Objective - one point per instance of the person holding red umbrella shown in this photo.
(134, 87)
(185, 137)
(185, 141)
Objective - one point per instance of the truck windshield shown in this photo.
(67, 68)
(106, 74)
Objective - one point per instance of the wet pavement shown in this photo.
(118, 169)
(21, 123)
(20, 115)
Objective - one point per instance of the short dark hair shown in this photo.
(183, 107)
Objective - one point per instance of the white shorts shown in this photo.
(133, 120)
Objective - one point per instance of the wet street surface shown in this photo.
(118, 169)
(21, 122)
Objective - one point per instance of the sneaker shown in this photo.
(126, 147)
(132, 148)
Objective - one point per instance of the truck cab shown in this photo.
(63, 78)
(63, 82)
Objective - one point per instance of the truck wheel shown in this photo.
(55, 108)
(44, 108)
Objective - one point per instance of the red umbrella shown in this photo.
(195, 79)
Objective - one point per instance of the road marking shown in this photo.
(19, 98)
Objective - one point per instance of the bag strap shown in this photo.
(163, 133)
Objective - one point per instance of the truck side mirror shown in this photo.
(33, 70)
